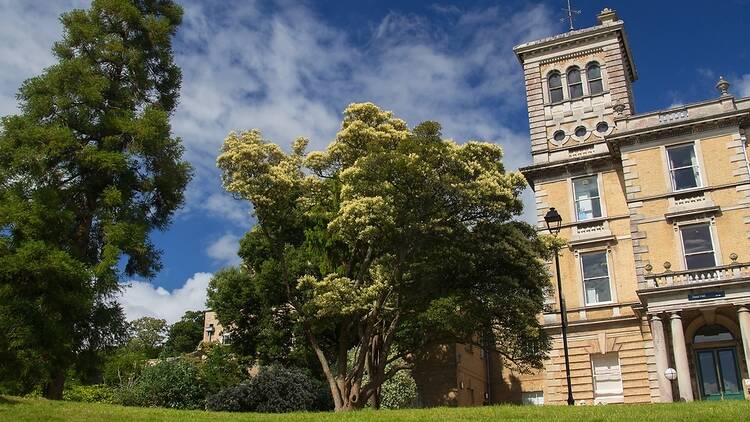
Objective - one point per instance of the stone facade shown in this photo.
(655, 211)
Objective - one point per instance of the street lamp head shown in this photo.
(553, 220)
(670, 374)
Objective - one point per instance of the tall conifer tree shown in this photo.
(88, 170)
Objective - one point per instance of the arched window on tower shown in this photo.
(575, 87)
(555, 87)
(594, 77)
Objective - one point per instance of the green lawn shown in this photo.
(24, 409)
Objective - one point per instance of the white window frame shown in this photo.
(549, 88)
(696, 167)
(532, 398)
(580, 82)
(614, 397)
(597, 176)
(600, 78)
(711, 236)
(609, 278)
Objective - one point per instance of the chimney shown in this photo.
(606, 16)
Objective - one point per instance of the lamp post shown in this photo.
(553, 220)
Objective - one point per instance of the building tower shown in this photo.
(656, 216)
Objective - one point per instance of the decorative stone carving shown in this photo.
(618, 107)
(723, 86)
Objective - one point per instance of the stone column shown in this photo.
(681, 359)
(743, 314)
(662, 359)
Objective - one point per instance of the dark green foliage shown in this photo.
(97, 393)
(275, 389)
(221, 368)
(147, 335)
(175, 383)
(87, 171)
(123, 366)
(185, 334)
(239, 398)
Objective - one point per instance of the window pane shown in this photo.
(594, 72)
(574, 76)
(712, 333)
(576, 91)
(685, 178)
(595, 87)
(597, 291)
(587, 198)
(556, 95)
(594, 264)
(555, 80)
(729, 376)
(682, 156)
(703, 260)
(696, 238)
(708, 372)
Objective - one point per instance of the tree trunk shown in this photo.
(54, 388)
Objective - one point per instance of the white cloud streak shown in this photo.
(743, 85)
(140, 298)
(224, 250)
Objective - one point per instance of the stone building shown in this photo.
(213, 331)
(656, 216)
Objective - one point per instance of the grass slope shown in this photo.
(24, 409)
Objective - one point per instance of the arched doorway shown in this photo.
(716, 363)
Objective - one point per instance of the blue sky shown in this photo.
(289, 68)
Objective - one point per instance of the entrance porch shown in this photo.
(702, 330)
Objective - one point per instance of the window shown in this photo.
(602, 127)
(595, 278)
(575, 87)
(605, 369)
(586, 191)
(533, 398)
(594, 77)
(555, 87)
(712, 334)
(559, 135)
(683, 167)
(698, 246)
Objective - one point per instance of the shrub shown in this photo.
(233, 399)
(176, 383)
(399, 392)
(98, 393)
(274, 389)
(221, 369)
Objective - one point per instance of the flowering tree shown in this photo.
(387, 243)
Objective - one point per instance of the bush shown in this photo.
(274, 389)
(176, 384)
(399, 392)
(233, 399)
(98, 393)
(221, 369)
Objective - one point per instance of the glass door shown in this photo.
(718, 374)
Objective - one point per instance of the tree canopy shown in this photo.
(88, 170)
(387, 243)
(185, 335)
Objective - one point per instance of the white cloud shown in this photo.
(140, 298)
(28, 29)
(283, 69)
(743, 86)
(224, 250)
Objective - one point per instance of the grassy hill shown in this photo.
(24, 409)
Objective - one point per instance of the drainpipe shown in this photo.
(743, 140)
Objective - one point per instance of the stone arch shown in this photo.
(719, 319)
